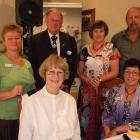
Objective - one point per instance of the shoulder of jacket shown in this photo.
(40, 34)
(66, 35)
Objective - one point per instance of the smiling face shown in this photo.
(54, 70)
(131, 76)
(54, 22)
(99, 35)
(12, 41)
(133, 19)
(54, 78)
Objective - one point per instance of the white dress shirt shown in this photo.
(45, 116)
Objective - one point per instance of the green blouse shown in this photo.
(11, 75)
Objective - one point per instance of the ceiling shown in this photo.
(70, 1)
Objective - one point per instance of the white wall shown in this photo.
(111, 11)
(7, 12)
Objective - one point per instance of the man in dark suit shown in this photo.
(52, 40)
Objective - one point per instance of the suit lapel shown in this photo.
(47, 38)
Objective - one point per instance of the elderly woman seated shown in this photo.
(122, 107)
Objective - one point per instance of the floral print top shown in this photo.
(118, 111)
(97, 63)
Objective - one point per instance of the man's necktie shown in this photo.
(54, 45)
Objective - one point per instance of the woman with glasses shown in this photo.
(50, 114)
(122, 107)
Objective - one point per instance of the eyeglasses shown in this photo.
(134, 73)
(53, 73)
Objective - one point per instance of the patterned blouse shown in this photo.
(118, 111)
(96, 64)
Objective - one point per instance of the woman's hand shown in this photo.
(112, 133)
(95, 82)
(118, 130)
(17, 90)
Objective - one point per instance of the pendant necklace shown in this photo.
(129, 93)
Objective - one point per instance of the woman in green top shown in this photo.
(16, 78)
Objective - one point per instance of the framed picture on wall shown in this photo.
(88, 17)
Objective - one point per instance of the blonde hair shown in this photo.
(10, 27)
(54, 61)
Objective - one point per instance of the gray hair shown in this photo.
(55, 10)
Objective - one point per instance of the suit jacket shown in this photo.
(40, 48)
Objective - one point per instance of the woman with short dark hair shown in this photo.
(122, 108)
(99, 62)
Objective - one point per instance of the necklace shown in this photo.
(129, 93)
(96, 49)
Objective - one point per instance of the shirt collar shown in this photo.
(50, 35)
(50, 94)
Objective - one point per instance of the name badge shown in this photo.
(117, 98)
(9, 65)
